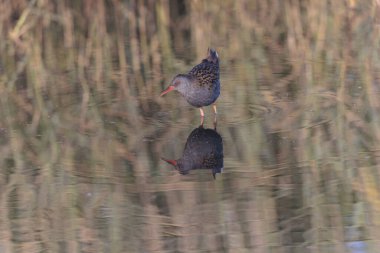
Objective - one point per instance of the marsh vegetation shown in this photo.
(82, 126)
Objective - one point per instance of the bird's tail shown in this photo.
(212, 55)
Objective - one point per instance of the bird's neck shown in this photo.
(185, 83)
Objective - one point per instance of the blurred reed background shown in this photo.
(82, 127)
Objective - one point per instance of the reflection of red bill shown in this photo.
(172, 162)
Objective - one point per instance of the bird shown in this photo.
(201, 85)
(203, 150)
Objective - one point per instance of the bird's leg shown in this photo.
(202, 115)
(214, 107)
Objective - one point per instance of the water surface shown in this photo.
(83, 129)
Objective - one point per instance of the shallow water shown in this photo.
(83, 128)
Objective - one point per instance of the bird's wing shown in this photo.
(206, 72)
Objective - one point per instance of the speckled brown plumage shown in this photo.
(206, 73)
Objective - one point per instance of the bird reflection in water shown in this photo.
(203, 150)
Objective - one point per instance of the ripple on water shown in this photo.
(243, 114)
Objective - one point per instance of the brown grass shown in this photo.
(82, 127)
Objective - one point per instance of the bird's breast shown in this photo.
(199, 96)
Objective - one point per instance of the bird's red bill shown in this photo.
(170, 88)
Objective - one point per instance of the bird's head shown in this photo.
(179, 83)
